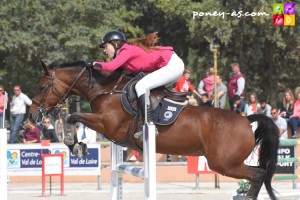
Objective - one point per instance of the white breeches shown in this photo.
(166, 75)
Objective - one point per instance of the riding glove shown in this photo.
(97, 66)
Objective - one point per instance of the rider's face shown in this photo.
(109, 50)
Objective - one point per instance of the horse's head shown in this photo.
(70, 78)
(51, 93)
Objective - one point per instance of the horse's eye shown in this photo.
(41, 88)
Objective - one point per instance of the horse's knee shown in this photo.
(72, 119)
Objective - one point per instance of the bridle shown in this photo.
(62, 102)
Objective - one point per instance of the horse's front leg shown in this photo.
(91, 120)
(70, 135)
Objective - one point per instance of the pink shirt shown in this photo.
(296, 112)
(208, 84)
(2, 101)
(136, 59)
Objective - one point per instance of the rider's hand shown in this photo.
(97, 66)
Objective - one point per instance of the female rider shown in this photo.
(141, 55)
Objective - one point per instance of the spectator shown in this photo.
(264, 108)
(184, 85)
(252, 106)
(236, 84)
(295, 117)
(48, 132)
(238, 105)
(17, 112)
(280, 122)
(206, 85)
(3, 101)
(287, 105)
(222, 92)
(31, 134)
(85, 134)
(205, 100)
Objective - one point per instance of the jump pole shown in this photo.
(148, 173)
(3, 156)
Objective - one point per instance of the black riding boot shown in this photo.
(142, 101)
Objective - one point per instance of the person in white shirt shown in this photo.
(17, 112)
(280, 122)
(85, 134)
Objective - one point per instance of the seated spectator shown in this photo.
(264, 108)
(206, 85)
(85, 134)
(184, 85)
(205, 100)
(48, 132)
(238, 105)
(252, 106)
(295, 117)
(31, 133)
(287, 105)
(280, 122)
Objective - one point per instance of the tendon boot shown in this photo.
(139, 134)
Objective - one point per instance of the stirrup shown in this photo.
(139, 134)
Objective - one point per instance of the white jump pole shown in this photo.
(116, 181)
(148, 173)
(149, 154)
(3, 156)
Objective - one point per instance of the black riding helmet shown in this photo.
(113, 36)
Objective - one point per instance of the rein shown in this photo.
(61, 102)
(47, 111)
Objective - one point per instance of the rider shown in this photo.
(141, 55)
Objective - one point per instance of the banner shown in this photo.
(26, 159)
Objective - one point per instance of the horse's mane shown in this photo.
(101, 77)
(67, 64)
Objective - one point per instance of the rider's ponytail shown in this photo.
(147, 42)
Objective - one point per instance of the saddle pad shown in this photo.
(167, 112)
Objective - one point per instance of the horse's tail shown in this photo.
(267, 136)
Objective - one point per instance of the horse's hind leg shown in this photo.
(256, 181)
(255, 175)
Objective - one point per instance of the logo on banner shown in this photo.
(65, 153)
(13, 158)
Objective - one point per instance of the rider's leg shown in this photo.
(163, 76)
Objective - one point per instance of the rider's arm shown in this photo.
(123, 56)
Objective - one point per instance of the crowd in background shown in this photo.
(286, 114)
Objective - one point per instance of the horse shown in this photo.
(225, 138)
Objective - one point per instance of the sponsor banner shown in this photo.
(26, 159)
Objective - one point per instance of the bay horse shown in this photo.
(225, 138)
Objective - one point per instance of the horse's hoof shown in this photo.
(77, 151)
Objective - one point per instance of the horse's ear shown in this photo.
(46, 68)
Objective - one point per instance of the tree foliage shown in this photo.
(63, 30)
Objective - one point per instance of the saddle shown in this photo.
(166, 105)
